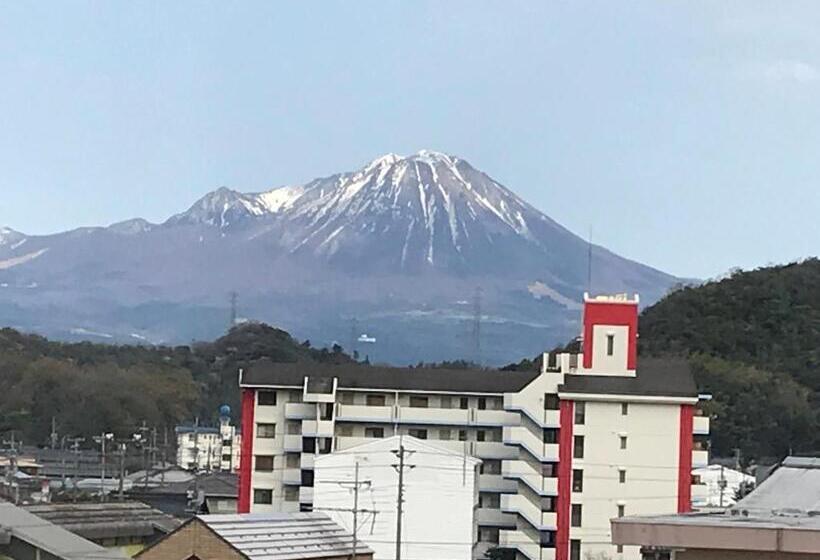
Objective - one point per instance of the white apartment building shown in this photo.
(432, 475)
(209, 449)
(590, 437)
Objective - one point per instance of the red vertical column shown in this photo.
(246, 451)
(566, 412)
(685, 458)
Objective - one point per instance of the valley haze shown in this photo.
(408, 250)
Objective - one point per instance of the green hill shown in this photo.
(754, 343)
(89, 387)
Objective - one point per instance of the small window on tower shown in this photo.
(575, 515)
(580, 412)
(623, 442)
(610, 344)
(624, 409)
(621, 511)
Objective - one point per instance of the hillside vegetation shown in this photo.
(89, 387)
(754, 343)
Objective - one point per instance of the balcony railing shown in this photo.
(700, 458)
(530, 512)
(523, 471)
(293, 443)
(496, 483)
(494, 517)
(521, 436)
(300, 411)
(700, 425)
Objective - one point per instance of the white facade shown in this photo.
(432, 475)
(717, 486)
(208, 449)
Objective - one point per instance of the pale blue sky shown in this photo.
(685, 133)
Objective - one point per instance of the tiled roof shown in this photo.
(284, 536)
(108, 520)
(654, 377)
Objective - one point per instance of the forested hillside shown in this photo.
(88, 387)
(754, 343)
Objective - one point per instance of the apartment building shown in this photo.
(588, 438)
(207, 448)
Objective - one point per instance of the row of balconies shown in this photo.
(406, 415)
(521, 542)
(519, 504)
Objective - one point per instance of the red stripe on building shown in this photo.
(614, 314)
(685, 459)
(246, 452)
(567, 411)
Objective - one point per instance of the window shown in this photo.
(345, 431)
(376, 400)
(550, 435)
(622, 476)
(482, 403)
(491, 466)
(464, 403)
(548, 539)
(266, 398)
(418, 433)
(488, 535)
(266, 431)
(295, 396)
(294, 428)
(326, 411)
(623, 442)
(291, 493)
(489, 500)
(619, 549)
(480, 435)
(308, 445)
(624, 409)
(580, 412)
(610, 344)
(305, 507)
(374, 432)
(548, 503)
(551, 402)
(346, 398)
(446, 402)
(264, 463)
(292, 460)
(574, 550)
(262, 496)
(621, 510)
(575, 515)
(307, 478)
(325, 445)
(578, 447)
(549, 470)
(577, 480)
(226, 458)
(462, 435)
(445, 434)
(226, 443)
(418, 402)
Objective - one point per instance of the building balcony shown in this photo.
(361, 413)
(491, 450)
(346, 442)
(496, 418)
(306, 461)
(533, 410)
(530, 512)
(523, 471)
(496, 483)
(305, 495)
(292, 477)
(293, 443)
(522, 437)
(700, 458)
(317, 428)
(437, 416)
(494, 517)
(521, 542)
(700, 425)
(300, 411)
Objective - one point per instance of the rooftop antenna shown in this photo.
(589, 262)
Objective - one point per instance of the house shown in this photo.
(718, 486)
(184, 497)
(126, 526)
(593, 435)
(25, 536)
(271, 536)
(440, 507)
(779, 520)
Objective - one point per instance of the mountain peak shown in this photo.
(221, 208)
(9, 236)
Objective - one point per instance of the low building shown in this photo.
(778, 520)
(194, 494)
(207, 448)
(25, 536)
(272, 536)
(717, 486)
(126, 526)
(441, 508)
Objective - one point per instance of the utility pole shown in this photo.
(122, 472)
(54, 436)
(101, 440)
(357, 483)
(400, 453)
(722, 484)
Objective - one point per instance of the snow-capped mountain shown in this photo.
(401, 244)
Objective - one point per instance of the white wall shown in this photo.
(650, 461)
(440, 498)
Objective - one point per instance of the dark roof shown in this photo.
(654, 377)
(352, 376)
(217, 484)
(109, 520)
